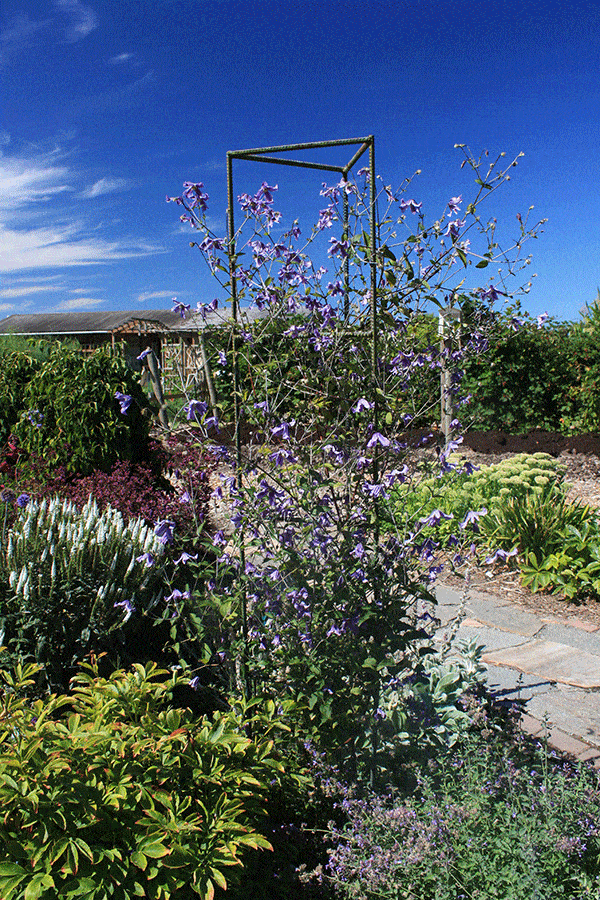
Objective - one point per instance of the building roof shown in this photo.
(111, 322)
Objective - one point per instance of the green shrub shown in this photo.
(16, 371)
(70, 581)
(537, 377)
(68, 412)
(109, 793)
(523, 379)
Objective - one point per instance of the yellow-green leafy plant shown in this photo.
(488, 487)
(110, 793)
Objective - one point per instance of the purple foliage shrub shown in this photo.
(172, 483)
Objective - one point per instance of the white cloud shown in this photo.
(26, 291)
(79, 303)
(153, 295)
(29, 180)
(19, 35)
(75, 21)
(120, 58)
(56, 238)
(59, 246)
(81, 19)
(105, 186)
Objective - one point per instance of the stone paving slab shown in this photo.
(492, 638)
(549, 660)
(517, 686)
(549, 665)
(574, 637)
(505, 616)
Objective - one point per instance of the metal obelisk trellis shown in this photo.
(265, 155)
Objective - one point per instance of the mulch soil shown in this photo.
(498, 443)
(534, 441)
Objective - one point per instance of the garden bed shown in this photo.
(579, 455)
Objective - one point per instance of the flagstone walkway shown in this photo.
(551, 666)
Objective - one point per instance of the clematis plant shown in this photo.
(323, 583)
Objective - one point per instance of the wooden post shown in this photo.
(449, 326)
(154, 369)
(208, 374)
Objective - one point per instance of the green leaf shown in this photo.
(11, 869)
(482, 264)
(37, 886)
(9, 885)
(155, 850)
(139, 860)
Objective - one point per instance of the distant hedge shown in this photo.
(537, 377)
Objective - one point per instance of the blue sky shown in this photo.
(110, 105)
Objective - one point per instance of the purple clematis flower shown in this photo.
(195, 195)
(185, 558)
(434, 518)
(377, 438)
(472, 518)
(266, 191)
(454, 205)
(124, 400)
(361, 405)
(282, 431)
(164, 531)
(326, 217)
(35, 417)
(341, 247)
(129, 608)
(146, 558)
(195, 410)
(454, 227)
(375, 489)
(178, 595)
(144, 354)
(410, 204)
(500, 554)
(180, 308)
